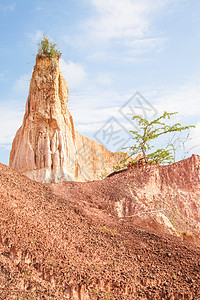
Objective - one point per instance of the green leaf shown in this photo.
(48, 49)
(148, 132)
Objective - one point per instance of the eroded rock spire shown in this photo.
(46, 147)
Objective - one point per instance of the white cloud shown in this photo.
(94, 127)
(193, 143)
(11, 120)
(92, 110)
(74, 74)
(104, 79)
(184, 99)
(36, 36)
(85, 128)
(123, 19)
(117, 19)
(92, 115)
(128, 25)
(21, 86)
(6, 8)
(141, 46)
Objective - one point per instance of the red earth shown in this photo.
(69, 241)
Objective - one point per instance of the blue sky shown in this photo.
(111, 49)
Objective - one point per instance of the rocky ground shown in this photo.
(162, 198)
(72, 241)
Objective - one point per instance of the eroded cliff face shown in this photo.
(164, 198)
(46, 147)
(161, 198)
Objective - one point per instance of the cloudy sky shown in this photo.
(112, 49)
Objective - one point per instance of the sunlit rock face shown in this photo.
(46, 147)
(163, 198)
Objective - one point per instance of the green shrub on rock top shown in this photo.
(48, 49)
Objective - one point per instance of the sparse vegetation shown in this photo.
(123, 163)
(109, 230)
(48, 49)
(104, 175)
(148, 132)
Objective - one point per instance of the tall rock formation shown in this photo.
(46, 147)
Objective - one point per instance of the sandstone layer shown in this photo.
(74, 246)
(47, 148)
(162, 198)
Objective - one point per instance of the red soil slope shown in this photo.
(163, 198)
(73, 246)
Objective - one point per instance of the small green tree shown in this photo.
(148, 132)
(48, 49)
